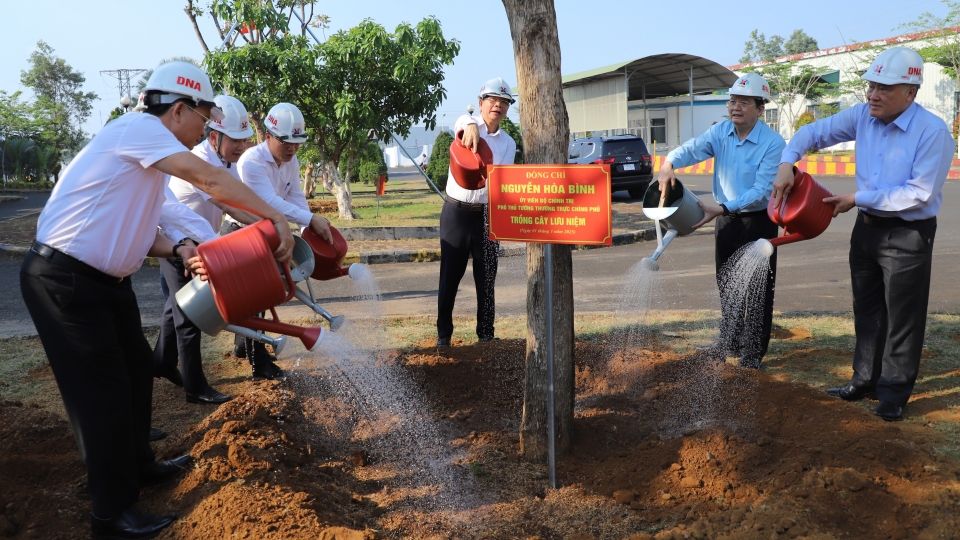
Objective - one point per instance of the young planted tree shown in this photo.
(546, 131)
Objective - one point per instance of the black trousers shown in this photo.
(256, 351)
(747, 331)
(890, 272)
(179, 338)
(464, 233)
(89, 325)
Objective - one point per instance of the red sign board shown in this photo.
(550, 204)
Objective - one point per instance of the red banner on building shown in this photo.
(550, 204)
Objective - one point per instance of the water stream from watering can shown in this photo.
(394, 421)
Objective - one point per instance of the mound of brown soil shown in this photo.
(665, 447)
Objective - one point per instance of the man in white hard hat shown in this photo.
(98, 225)
(272, 171)
(180, 338)
(463, 227)
(903, 156)
(746, 153)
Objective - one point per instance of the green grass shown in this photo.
(417, 209)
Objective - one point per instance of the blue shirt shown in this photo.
(743, 171)
(901, 166)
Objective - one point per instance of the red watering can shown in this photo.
(328, 257)
(244, 280)
(469, 170)
(802, 214)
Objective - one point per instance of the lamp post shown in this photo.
(442, 118)
(470, 109)
(125, 102)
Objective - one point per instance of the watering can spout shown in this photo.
(335, 322)
(787, 239)
(667, 238)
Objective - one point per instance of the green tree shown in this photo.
(758, 47)
(800, 42)
(944, 48)
(59, 91)
(791, 85)
(439, 164)
(358, 81)
(368, 165)
(513, 130)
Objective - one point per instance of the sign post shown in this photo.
(550, 204)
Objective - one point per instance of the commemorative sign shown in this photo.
(551, 204)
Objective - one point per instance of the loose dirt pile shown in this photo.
(665, 447)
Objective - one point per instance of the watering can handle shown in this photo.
(291, 285)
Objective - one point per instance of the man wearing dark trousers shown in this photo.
(463, 220)
(903, 156)
(746, 153)
(179, 339)
(99, 223)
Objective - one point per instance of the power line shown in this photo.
(123, 81)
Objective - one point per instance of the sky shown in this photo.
(96, 35)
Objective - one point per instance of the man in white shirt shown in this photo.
(96, 228)
(180, 338)
(272, 171)
(463, 220)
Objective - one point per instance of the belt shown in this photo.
(877, 221)
(473, 207)
(82, 268)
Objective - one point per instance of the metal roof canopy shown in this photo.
(662, 75)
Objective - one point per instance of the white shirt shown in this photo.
(278, 186)
(195, 198)
(177, 221)
(504, 152)
(105, 209)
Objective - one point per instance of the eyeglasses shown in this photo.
(493, 99)
(743, 103)
(215, 113)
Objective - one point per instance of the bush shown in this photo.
(439, 164)
(368, 166)
(805, 118)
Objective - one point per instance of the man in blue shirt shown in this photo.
(903, 156)
(746, 153)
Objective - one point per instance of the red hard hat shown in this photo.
(469, 170)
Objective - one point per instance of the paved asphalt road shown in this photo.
(32, 203)
(812, 275)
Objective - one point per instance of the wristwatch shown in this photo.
(726, 211)
(177, 246)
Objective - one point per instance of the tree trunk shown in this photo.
(309, 183)
(341, 190)
(546, 131)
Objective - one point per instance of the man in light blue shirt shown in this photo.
(746, 153)
(903, 156)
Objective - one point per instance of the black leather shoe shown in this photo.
(133, 524)
(852, 393)
(172, 375)
(268, 370)
(163, 471)
(443, 342)
(156, 434)
(889, 411)
(209, 397)
(749, 363)
(485, 339)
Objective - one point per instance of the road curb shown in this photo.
(405, 256)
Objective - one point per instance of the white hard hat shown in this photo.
(235, 122)
(896, 65)
(285, 122)
(496, 87)
(751, 85)
(178, 80)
